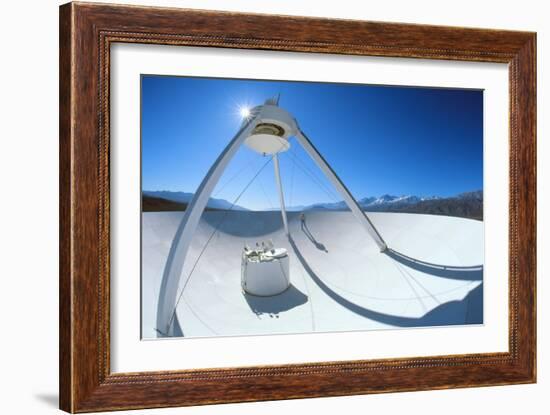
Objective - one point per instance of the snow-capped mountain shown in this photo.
(373, 202)
(384, 199)
(467, 205)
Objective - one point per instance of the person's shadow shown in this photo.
(309, 235)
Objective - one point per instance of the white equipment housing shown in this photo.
(271, 133)
(265, 272)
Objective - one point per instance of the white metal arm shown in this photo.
(342, 189)
(281, 194)
(186, 229)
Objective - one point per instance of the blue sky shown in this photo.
(378, 139)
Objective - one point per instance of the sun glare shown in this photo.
(245, 112)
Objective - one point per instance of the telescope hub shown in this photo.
(273, 127)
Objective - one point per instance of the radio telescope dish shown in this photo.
(266, 130)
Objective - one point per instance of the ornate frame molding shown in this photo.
(86, 33)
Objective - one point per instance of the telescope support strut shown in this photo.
(186, 229)
(342, 189)
(281, 194)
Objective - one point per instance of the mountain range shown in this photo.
(369, 203)
(466, 205)
(185, 197)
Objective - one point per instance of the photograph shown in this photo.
(287, 207)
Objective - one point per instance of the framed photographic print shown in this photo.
(261, 207)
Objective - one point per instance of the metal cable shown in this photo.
(292, 185)
(247, 165)
(271, 205)
(314, 178)
(216, 228)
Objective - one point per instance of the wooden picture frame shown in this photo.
(86, 33)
